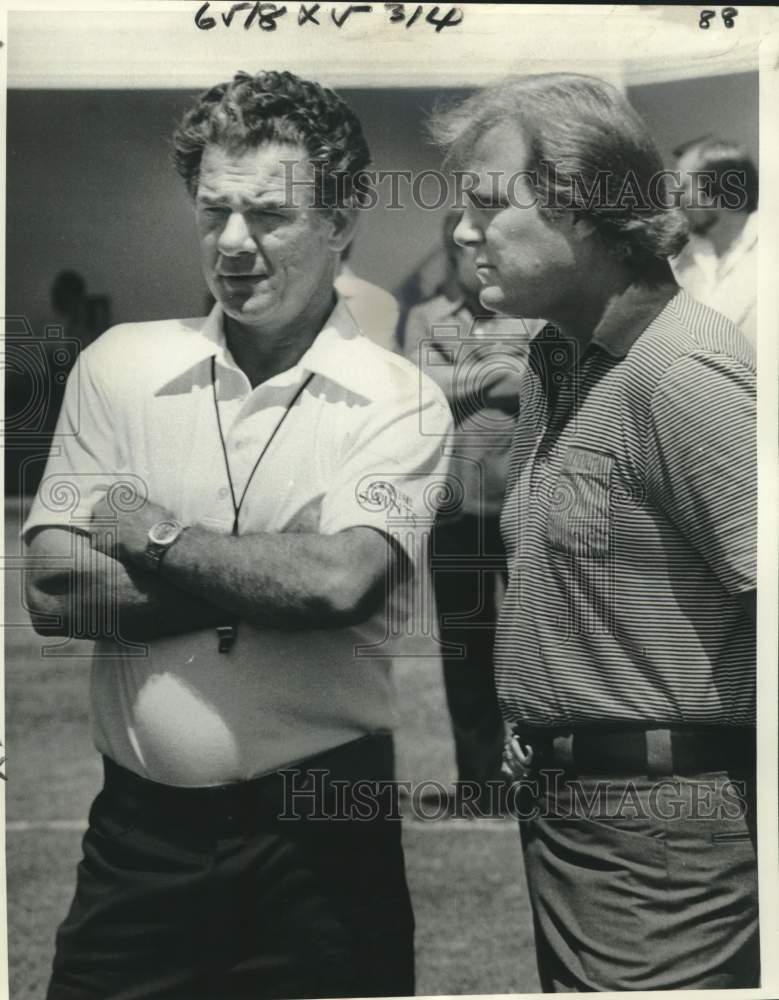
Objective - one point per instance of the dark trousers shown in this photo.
(279, 887)
(643, 883)
(468, 563)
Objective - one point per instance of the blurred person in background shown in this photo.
(477, 359)
(719, 264)
(375, 310)
(85, 316)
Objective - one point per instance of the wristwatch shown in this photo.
(161, 536)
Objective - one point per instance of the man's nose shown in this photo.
(236, 237)
(467, 232)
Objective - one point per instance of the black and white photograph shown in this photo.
(391, 449)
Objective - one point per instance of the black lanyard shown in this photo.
(227, 633)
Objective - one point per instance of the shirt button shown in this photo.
(223, 493)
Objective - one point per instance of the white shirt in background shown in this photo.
(727, 284)
(695, 268)
(375, 311)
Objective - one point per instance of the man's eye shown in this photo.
(267, 214)
(486, 204)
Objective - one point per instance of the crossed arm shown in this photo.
(299, 579)
(70, 588)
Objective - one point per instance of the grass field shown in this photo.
(473, 925)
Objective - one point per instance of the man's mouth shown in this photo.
(237, 281)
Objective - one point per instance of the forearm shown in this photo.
(293, 579)
(150, 608)
(284, 580)
(96, 596)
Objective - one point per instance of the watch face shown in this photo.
(164, 532)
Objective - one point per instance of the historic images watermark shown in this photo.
(550, 186)
(548, 794)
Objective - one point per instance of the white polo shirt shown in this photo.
(361, 446)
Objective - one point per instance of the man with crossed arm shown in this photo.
(231, 477)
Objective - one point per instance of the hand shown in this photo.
(516, 759)
(121, 531)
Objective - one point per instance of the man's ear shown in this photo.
(343, 223)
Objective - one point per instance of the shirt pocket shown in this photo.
(579, 517)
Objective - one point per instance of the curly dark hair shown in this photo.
(590, 152)
(247, 111)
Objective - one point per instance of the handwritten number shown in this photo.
(267, 14)
(204, 23)
(268, 18)
(728, 13)
(397, 12)
(450, 19)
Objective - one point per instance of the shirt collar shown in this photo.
(630, 313)
(746, 240)
(213, 334)
(337, 352)
(749, 232)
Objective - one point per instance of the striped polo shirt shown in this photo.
(630, 523)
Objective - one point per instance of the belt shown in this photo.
(315, 789)
(641, 750)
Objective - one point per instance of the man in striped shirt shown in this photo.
(625, 654)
